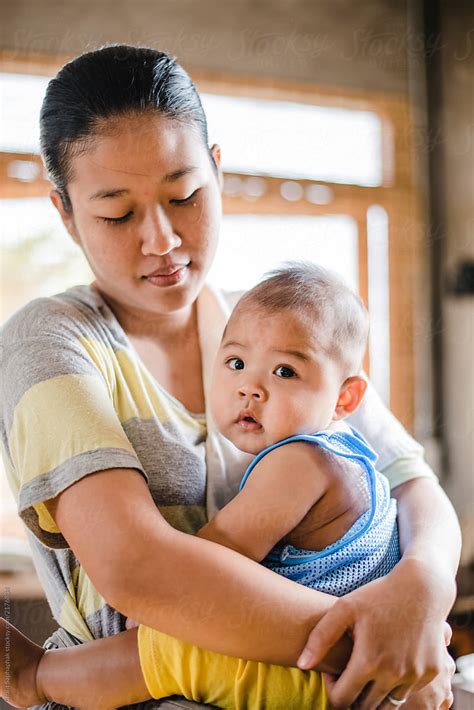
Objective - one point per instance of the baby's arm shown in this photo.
(278, 494)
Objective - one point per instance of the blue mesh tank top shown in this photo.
(368, 550)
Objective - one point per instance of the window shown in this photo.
(296, 140)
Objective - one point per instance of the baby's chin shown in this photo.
(254, 446)
(253, 450)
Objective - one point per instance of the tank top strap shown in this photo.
(347, 444)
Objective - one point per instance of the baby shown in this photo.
(311, 505)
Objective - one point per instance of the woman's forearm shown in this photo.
(430, 537)
(215, 598)
(189, 588)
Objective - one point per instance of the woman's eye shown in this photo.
(285, 371)
(185, 200)
(235, 363)
(117, 220)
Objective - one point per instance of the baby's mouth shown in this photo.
(247, 422)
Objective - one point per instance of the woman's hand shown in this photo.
(400, 637)
(437, 695)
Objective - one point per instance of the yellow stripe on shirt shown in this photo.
(73, 429)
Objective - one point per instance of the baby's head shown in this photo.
(290, 358)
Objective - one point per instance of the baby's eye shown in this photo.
(235, 363)
(285, 371)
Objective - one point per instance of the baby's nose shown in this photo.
(252, 391)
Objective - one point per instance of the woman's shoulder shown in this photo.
(70, 314)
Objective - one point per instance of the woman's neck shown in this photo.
(168, 346)
(162, 328)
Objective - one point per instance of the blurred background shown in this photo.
(347, 138)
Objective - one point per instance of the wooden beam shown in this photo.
(363, 271)
(22, 175)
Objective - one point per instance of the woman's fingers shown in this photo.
(325, 634)
(437, 695)
(344, 691)
(377, 695)
(427, 699)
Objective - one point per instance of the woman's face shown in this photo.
(146, 212)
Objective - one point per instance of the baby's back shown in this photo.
(347, 497)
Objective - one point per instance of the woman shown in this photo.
(103, 415)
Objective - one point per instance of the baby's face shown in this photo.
(271, 380)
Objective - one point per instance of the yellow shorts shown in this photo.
(173, 667)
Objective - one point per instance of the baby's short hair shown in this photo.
(323, 299)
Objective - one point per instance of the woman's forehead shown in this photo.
(134, 147)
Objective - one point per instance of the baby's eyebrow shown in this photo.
(295, 353)
(232, 343)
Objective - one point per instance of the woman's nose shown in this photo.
(252, 390)
(159, 237)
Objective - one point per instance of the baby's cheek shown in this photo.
(291, 420)
(284, 425)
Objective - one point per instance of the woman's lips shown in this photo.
(169, 276)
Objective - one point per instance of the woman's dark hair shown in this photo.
(110, 82)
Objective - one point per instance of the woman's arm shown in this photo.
(193, 589)
(398, 621)
(430, 538)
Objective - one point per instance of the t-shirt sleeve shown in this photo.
(401, 458)
(58, 419)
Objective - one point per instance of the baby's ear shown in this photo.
(350, 396)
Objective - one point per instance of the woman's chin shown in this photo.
(168, 294)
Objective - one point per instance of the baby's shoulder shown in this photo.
(308, 461)
(298, 464)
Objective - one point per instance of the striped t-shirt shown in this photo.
(78, 399)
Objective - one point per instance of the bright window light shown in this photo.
(38, 256)
(296, 140)
(379, 305)
(250, 245)
(21, 96)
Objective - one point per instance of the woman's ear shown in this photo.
(350, 396)
(216, 158)
(66, 215)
